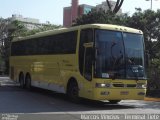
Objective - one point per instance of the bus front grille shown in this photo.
(125, 85)
(118, 85)
(131, 85)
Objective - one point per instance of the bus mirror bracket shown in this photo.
(86, 45)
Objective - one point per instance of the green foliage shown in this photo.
(5, 38)
(22, 31)
(9, 30)
(149, 22)
(41, 29)
(155, 63)
(93, 17)
(101, 16)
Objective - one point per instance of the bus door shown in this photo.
(88, 68)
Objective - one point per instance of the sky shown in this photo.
(52, 10)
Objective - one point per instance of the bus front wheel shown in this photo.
(28, 81)
(21, 80)
(73, 91)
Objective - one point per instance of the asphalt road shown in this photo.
(38, 104)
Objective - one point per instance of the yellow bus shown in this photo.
(94, 61)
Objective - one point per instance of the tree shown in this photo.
(102, 17)
(2, 37)
(22, 31)
(5, 39)
(9, 30)
(42, 28)
(148, 22)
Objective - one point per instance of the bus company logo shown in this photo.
(9, 117)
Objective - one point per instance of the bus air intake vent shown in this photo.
(125, 85)
(118, 85)
(131, 85)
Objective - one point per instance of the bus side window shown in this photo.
(85, 37)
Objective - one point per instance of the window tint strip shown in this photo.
(64, 43)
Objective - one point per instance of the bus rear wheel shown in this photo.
(21, 80)
(28, 82)
(73, 92)
(114, 101)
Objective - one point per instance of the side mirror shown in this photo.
(86, 45)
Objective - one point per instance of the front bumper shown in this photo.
(118, 94)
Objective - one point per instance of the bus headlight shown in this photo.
(103, 85)
(141, 85)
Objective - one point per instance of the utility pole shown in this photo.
(151, 3)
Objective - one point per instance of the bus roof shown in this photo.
(97, 26)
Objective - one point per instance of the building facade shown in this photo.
(29, 23)
(71, 13)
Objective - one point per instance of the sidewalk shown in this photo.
(153, 95)
(152, 99)
(5, 81)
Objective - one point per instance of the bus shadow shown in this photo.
(17, 100)
(82, 105)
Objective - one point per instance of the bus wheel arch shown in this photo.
(114, 101)
(21, 79)
(28, 80)
(73, 90)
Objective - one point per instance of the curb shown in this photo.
(152, 99)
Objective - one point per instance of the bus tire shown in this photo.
(28, 81)
(73, 91)
(21, 80)
(114, 101)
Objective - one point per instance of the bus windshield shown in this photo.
(119, 55)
